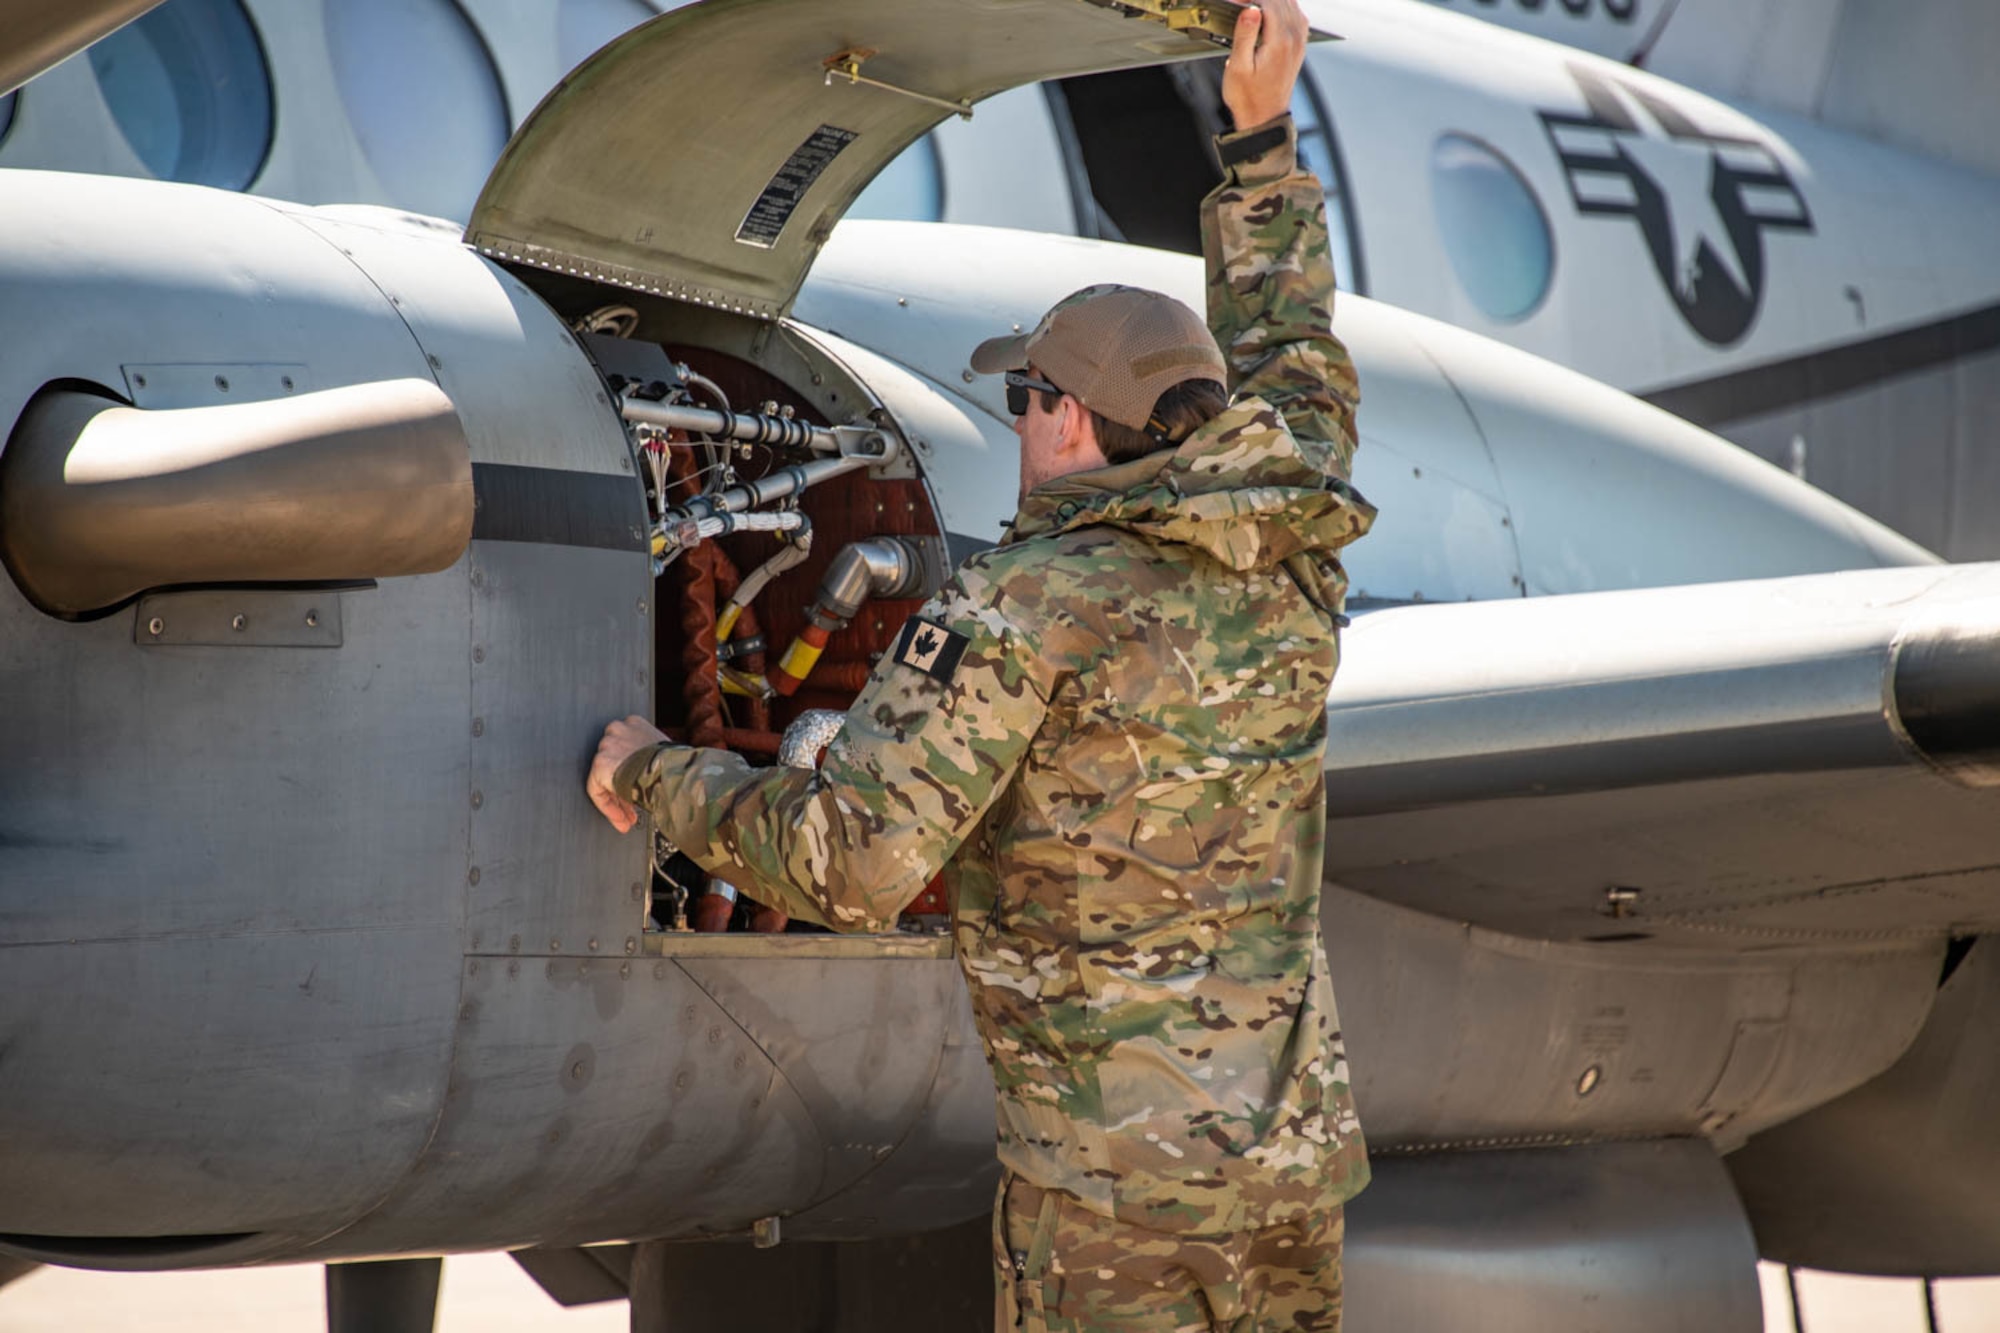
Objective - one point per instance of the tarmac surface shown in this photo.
(488, 1293)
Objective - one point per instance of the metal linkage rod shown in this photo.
(772, 487)
(854, 447)
(681, 527)
(749, 427)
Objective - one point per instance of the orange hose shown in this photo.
(700, 688)
(741, 739)
(797, 663)
(752, 740)
(708, 577)
(711, 913)
(842, 676)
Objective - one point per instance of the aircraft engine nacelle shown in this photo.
(310, 943)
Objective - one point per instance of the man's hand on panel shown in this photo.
(621, 741)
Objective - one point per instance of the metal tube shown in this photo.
(780, 485)
(750, 427)
(881, 567)
(857, 447)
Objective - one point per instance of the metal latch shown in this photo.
(1212, 19)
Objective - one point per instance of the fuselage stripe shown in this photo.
(1834, 370)
(556, 507)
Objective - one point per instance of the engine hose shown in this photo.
(759, 712)
(706, 385)
(852, 676)
(878, 567)
(710, 576)
(732, 618)
(802, 657)
(752, 742)
(715, 907)
(740, 615)
(740, 739)
(700, 688)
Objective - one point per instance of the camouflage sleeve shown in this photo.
(1270, 295)
(925, 752)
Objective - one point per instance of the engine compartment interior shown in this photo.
(792, 537)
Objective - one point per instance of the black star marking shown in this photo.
(1750, 189)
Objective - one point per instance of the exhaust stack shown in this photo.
(100, 502)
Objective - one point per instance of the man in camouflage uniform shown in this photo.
(1108, 733)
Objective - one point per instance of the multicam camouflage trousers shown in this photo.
(1060, 1268)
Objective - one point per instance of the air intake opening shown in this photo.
(115, 1252)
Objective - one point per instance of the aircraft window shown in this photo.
(909, 189)
(1319, 152)
(189, 89)
(1142, 137)
(1493, 228)
(583, 26)
(1142, 140)
(423, 97)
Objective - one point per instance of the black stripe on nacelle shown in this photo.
(1947, 692)
(556, 507)
(1835, 370)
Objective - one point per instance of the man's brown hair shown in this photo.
(1178, 413)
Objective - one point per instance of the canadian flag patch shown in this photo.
(930, 648)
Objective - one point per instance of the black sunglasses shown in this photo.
(1018, 384)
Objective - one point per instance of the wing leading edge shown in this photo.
(1779, 760)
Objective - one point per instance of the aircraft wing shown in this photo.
(1743, 764)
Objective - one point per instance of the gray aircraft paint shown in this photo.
(250, 870)
(1896, 247)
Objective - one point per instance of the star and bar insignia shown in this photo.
(1704, 200)
(930, 648)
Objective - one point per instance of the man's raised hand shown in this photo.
(1264, 62)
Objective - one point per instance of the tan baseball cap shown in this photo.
(1115, 349)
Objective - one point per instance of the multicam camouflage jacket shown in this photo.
(1108, 733)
